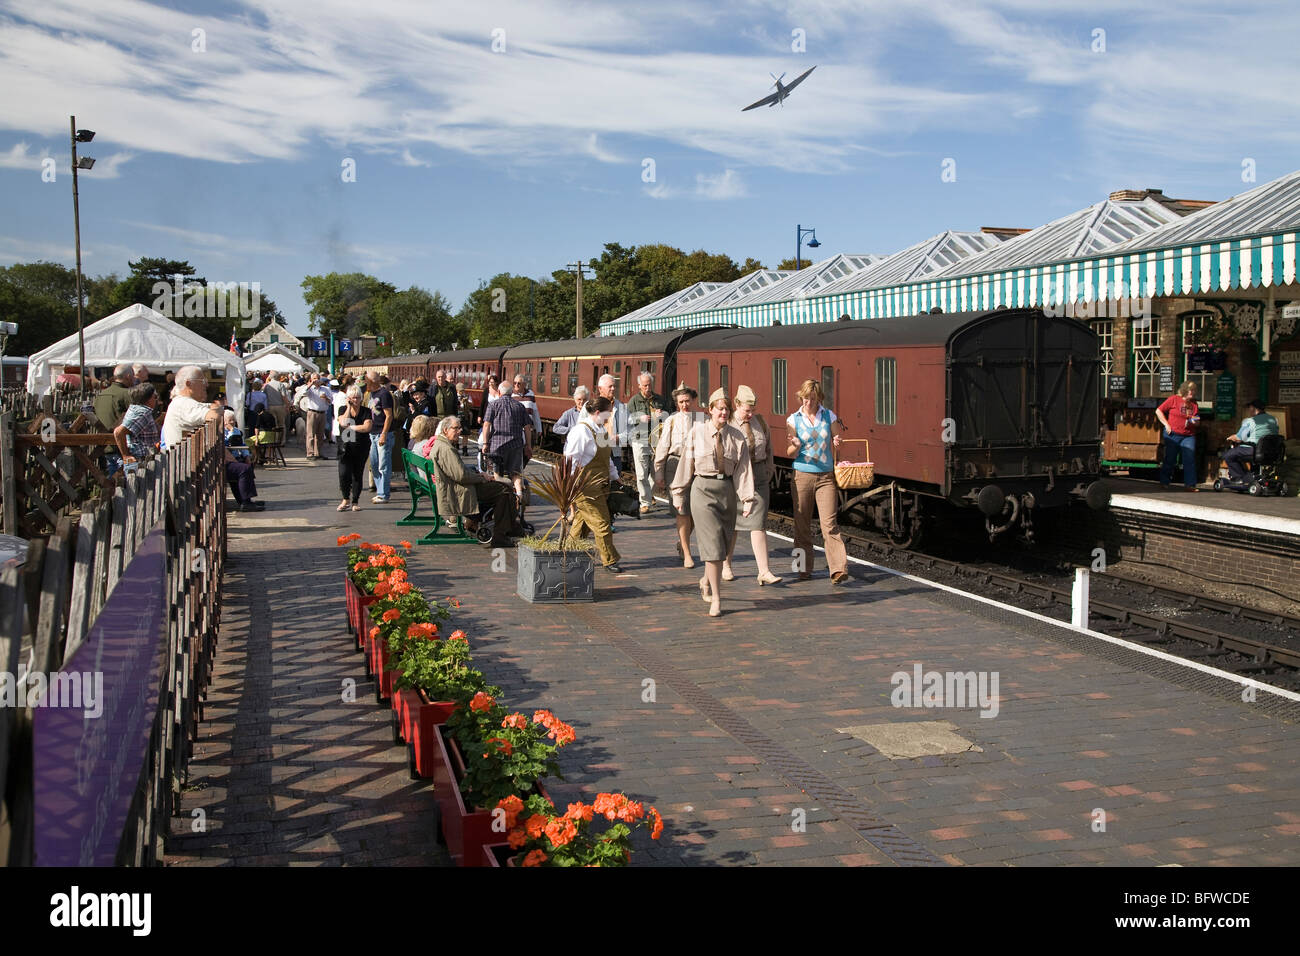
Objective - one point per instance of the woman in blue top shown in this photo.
(812, 445)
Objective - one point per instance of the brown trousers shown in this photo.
(315, 431)
(810, 487)
(593, 513)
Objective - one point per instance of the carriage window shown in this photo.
(724, 379)
(828, 386)
(886, 391)
(778, 386)
(573, 383)
(555, 382)
(704, 382)
(1146, 356)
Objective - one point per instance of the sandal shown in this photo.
(704, 589)
(342, 507)
(356, 507)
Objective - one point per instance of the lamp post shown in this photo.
(799, 233)
(79, 136)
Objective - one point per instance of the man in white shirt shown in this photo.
(315, 399)
(188, 412)
(617, 428)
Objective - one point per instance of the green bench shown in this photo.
(419, 476)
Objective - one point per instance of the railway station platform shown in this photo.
(769, 736)
(1235, 546)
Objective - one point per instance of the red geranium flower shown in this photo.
(392, 614)
(535, 858)
(481, 702)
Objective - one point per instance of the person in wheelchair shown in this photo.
(468, 493)
(1246, 443)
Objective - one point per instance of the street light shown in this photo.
(79, 136)
(799, 233)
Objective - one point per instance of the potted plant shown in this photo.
(560, 569)
(486, 754)
(594, 834)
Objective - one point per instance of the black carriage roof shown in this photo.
(638, 343)
(929, 329)
(489, 354)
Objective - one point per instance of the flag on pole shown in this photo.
(234, 346)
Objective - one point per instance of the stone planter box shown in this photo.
(547, 577)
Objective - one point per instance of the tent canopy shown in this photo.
(139, 334)
(277, 358)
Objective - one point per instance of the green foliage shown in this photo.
(346, 304)
(418, 319)
(440, 667)
(504, 753)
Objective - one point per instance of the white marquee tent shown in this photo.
(139, 334)
(277, 358)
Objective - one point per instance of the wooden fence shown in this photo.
(138, 573)
(26, 406)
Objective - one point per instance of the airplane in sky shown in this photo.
(781, 91)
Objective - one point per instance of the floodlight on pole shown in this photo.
(79, 136)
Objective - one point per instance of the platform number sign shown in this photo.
(345, 346)
(320, 346)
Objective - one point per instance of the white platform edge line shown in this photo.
(1150, 652)
(1238, 519)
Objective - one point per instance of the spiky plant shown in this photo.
(566, 484)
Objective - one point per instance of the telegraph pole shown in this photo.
(578, 268)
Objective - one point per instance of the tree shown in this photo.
(751, 265)
(787, 265)
(41, 298)
(420, 320)
(346, 304)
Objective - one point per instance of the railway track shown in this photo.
(1271, 657)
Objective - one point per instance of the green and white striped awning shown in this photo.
(1192, 270)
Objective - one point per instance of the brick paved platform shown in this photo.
(736, 728)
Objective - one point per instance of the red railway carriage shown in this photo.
(555, 369)
(994, 410)
(471, 366)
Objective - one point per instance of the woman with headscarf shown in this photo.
(592, 456)
(758, 439)
(668, 455)
(716, 467)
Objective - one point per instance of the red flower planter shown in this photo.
(419, 719)
(498, 855)
(464, 832)
(357, 604)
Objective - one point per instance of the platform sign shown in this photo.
(1118, 384)
(320, 346)
(1225, 396)
(345, 346)
(1167, 378)
(1288, 377)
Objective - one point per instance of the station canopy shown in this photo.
(277, 358)
(138, 334)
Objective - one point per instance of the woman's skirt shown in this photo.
(670, 470)
(762, 495)
(713, 508)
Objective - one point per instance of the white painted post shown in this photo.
(1079, 598)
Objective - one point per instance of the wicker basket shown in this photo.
(850, 476)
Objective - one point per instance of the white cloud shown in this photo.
(408, 160)
(725, 185)
(214, 243)
(19, 156)
(660, 191)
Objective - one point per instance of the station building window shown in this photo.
(778, 387)
(1206, 381)
(1145, 333)
(1105, 330)
(886, 391)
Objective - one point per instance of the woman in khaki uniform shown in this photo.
(668, 455)
(758, 439)
(716, 467)
(592, 455)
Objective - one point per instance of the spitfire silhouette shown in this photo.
(781, 91)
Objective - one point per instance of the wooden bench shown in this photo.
(419, 476)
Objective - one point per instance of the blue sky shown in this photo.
(471, 161)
